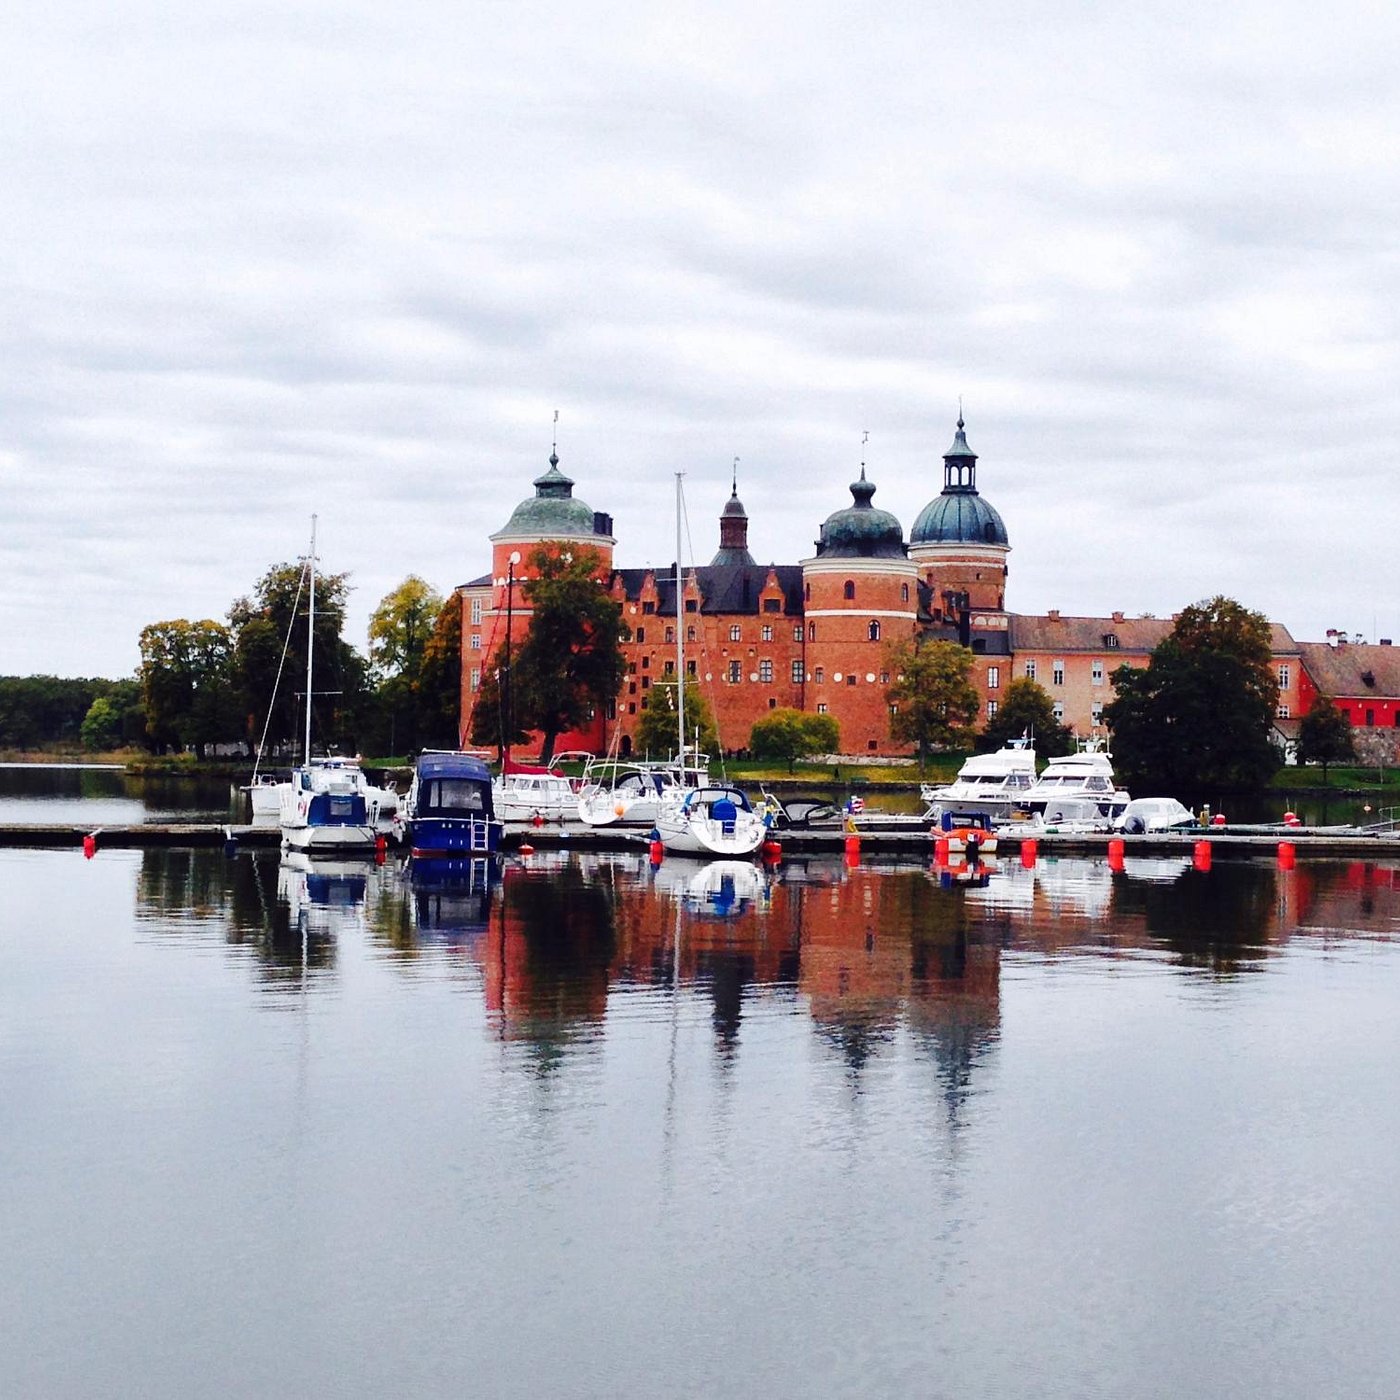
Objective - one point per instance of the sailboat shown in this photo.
(325, 807)
(711, 819)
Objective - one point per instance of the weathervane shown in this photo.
(554, 446)
(734, 486)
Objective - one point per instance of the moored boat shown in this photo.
(526, 791)
(1084, 776)
(449, 809)
(710, 821)
(991, 783)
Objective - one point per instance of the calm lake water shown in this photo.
(594, 1130)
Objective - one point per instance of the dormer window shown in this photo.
(1110, 641)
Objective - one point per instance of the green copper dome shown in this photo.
(861, 531)
(552, 510)
(959, 515)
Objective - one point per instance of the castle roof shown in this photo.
(861, 531)
(552, 511)
(959, 515)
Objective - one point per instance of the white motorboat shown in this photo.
(992, 784)
(523, 792)
(617, 792)
(1085, 776)
(710, 821)
(1147, 814)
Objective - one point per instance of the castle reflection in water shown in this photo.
(867, 952)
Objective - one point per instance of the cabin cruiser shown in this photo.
(710, 821)
(614, 792)
(449, 809)
(1086, 776)
(524, 791)
(325, 808)
(991, 783)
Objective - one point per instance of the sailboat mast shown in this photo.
(680, 630)
(310, 643)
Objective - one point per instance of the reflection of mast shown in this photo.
(680, 644)
(668, 1132)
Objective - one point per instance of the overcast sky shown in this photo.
(267, 259)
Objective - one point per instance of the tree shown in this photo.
(400, 626)
(440, 679)
(489, 728)
(274, 618)
(571, 662)
(657, 730)
(186, 673)
(932, 700)
(1324, 735)
(793, 734)
(1026, 708)
(102, 725)
(1199, 717)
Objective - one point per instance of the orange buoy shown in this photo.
(1287, 855)
(1200, 855)
(1030, 848)
(1117, 848)
(940, 850)
(656, 850)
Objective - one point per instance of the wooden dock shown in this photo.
(902, 841)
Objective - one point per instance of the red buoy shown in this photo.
(1116, 850)
(1287, 855)
(940, 850)
(1200, 855)
(1291, 819)
(1030, 848)
(90, 845)
(1218, 819)
(656, 850)
(526, 849)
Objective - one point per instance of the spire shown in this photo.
(733, 527)
(960, 461)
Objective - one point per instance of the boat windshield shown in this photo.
(453, 795)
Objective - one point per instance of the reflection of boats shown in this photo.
(963, 872)
(1156, 870)
(326, 806)
(524, 791)
(715, 821)
(719, 889)
(306, 885)
(1083, 776)
(449, 806)
(990, 783)
(452, 894)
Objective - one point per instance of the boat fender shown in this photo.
(655, 849)
(89, 845)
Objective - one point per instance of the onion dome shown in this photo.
(959, 515)
(552, 511)
(861, 531)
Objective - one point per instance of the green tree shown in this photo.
(186, 673)
(1199, 717)
(1325, 735)
(793, 734)
(933, 703)
(400, 626)
(488, 727)
(276, 617)
(570, 664)
(657, 731)
(1026, 708)
(102, 725)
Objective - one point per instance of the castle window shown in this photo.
(1058, 710)
(670, 634)
(632, 707)
(819, 675)
(767, 632)
(903, 592)
(807, 592)
(690, 668)
(476, 612)
(811, 631)
(1057, 672)
(646, 663)
(691, 605)
(1096, 673)
(648, 608)
(1030, 670)
(690, 634)
(669, 669)
(849, 591)
(646, 682)
(851, 679)
(1110, 641)
(1370, 719)
(735, 633)
(797, 673)
(476, 677)
(765, 672)
(797, 632)
(873, 631)
(991, 709)
(772, 604)
(993, 677)
(1096, 712)
(736, 672)
(884, 677)
(821, 709)
(641, 635)
(476, 641)
(1284, 676)
(772, 703)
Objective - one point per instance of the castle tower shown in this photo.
(733, 530)
(958, 542)
(861, 590)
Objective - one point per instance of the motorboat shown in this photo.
(624, 794)
(265, 795)
(992, 783)
(1084, 776)
(525, 791)
(1149, 814)
(449, 808)
(966, 833)
(710, 821)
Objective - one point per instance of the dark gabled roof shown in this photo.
(724, 588)
(485, 581)
(1341, 670)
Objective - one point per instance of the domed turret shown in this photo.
(552, 512)
(733, 529)
(959, 515)
(861, 531)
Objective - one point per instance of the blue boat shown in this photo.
(448, 810)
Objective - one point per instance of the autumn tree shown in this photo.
(932, 700)
(792, 734)
(1026, 709)
(440, 679)
(1200, 716)
(570, 664)
(1325, 735)
(399, 629)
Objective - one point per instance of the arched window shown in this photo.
(903, 592)
(873, 631)
(850, 589)
(811, 631)
(670, 634)
(690, 634)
